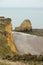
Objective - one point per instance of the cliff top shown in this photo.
(26, 21)
(5, 21)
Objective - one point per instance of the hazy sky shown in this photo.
(21, 3)
(23, 11)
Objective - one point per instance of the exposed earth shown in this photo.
(27, 43)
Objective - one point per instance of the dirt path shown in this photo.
(27, 43)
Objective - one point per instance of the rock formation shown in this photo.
(6, 38)
(25, 26)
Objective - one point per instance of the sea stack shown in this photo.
(25, 26)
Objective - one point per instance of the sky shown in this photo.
(16, 9)
(21, 3)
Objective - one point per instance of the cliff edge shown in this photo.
(6, 40)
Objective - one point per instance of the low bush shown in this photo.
(25, 57)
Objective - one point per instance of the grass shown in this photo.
(2, 63)
(22, 63)
(26, 59)
(35, 63)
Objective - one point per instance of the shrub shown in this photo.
(25, 57)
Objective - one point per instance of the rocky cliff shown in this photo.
(6, 40)
(25, 26)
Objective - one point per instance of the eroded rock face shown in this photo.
(25, 26)
(6, 38)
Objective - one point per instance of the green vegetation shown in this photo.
(25, 57)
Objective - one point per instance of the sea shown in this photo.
(18, 15)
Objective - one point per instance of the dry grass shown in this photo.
(3, 63)
(35, 63)
(22, 63)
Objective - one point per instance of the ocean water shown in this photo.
(35, 15)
